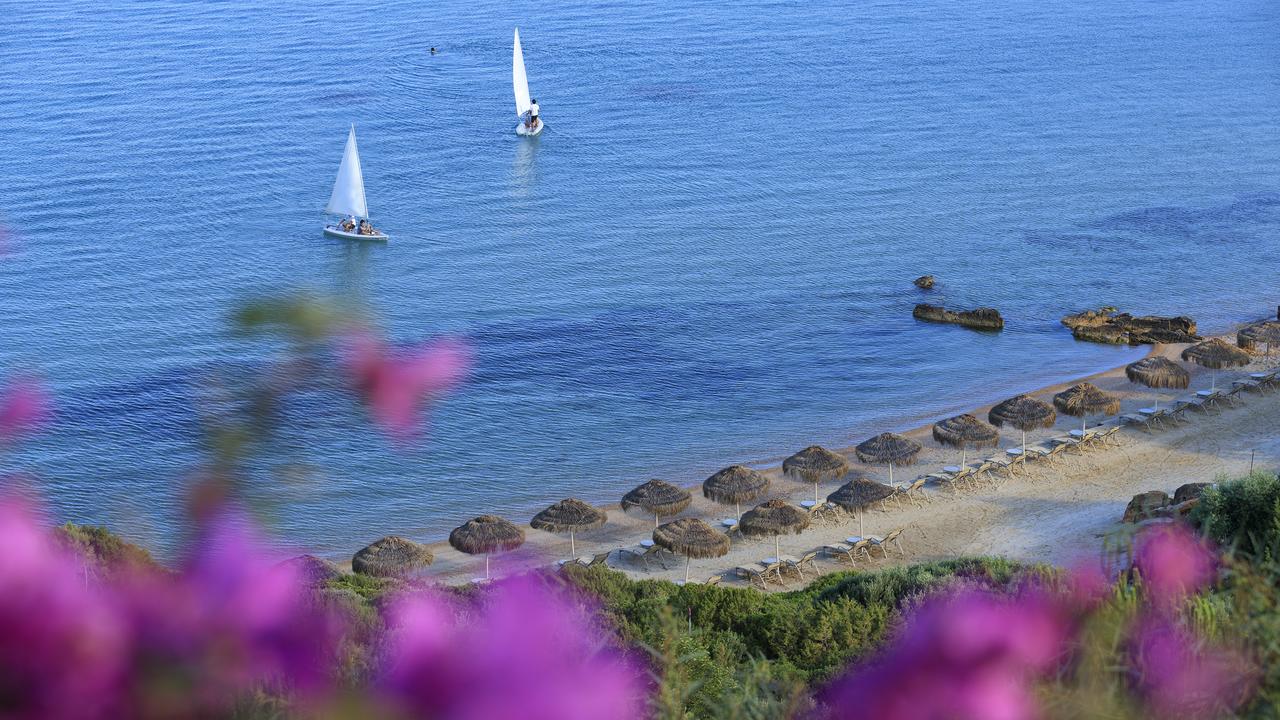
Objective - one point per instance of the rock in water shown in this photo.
(979, 319)
(1146, 505)
(1108, 326)
(924, 282)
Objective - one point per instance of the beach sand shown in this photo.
(1046, 513)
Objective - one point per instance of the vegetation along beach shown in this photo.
(897, 361)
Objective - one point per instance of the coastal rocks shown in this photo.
(392, 556)
(979, 319)
(1146, 505)
(1105, 325)
(314, 572)
(1190, 491)
(924, 282)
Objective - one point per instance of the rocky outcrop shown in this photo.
(979, 319)
(1190, 491)
(1108, 326)
(924, 282)
(312, 571)
(1146, 505)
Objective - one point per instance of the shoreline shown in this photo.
(626, 529)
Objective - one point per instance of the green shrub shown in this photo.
(1243, 515)
(103, 550)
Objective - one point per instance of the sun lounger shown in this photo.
(836, 551)
(753, 575)
(802, 562)
(893, 538)
(773, 566)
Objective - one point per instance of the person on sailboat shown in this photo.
(533, 114)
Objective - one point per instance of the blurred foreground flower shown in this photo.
(527, 653)
(23, 407)
(1181, 677)
(1173, 562)
(971, 656)
(396, 385)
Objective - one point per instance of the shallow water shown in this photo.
(705, 258)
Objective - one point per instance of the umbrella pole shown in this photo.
(486, 566)
(859, 522)
(573, 551)
(1084, 425)
(655, 521)
(777, 548)
(890, 473)
(815, 493)
(738, 507)
(1213, 381)
(687, 561)
(1024, 443)
(964, 456)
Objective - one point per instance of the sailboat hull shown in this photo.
(527, 132)
(337, 232)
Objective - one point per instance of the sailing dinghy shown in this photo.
(347, 200)
(524, 105)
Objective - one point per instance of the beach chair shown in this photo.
(1193, 402)
(775, 569)
(836, 551)
(713, 580)
(824, 512)
(1109, 436)
(893, 538)
(915, 492)
(800, 563)
(753, 575)
(593, 560)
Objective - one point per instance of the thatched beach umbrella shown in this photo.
(1023, 412)
(1086, 399)
(815, 464)
(570, 515)
(391, 556)
(691, 538)
(1158, 372)
(776, 517)
(965, 431)
(858, 494)
(735, 485)
(658, 497)
(484, 535)
(889, 448)
(1266, 332)
(1216, 354)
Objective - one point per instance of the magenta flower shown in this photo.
(970, 656)
(1173, 562)
(60, 644)
(527, 652)
(23, 407)
(397, 385)
(1181, 678)
(233, 619)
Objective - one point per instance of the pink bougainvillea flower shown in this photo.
(1172, 562)
(1181, 677)
(525, 652)
(969, 656)
(396, 385)
(23, 407)
(60, 643)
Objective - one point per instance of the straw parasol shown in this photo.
(1215, 354)
(1158, 372)
(1266, 332)
(775, 518)
(858, 494)
(658, 497)
(1023, 412)
(1086, 399)
(484, 535)
(691, 538)
(889, 448)
(570, 515)
(965, 431)
(815, 464)
(735, 484)
(391, 556)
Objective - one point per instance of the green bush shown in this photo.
(103, 550)
(1243, 515)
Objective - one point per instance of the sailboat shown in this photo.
(520, 81)
(347, 199)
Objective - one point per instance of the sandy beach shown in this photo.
(1047, 512)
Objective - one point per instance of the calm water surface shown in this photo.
(705, 258)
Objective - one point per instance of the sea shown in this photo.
(706, 258)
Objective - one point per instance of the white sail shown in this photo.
(348, 189)
(518, 79)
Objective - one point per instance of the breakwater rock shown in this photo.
(978, 319)
(1108, 326)
(924, 282)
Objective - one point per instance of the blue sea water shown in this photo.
(706, 257)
